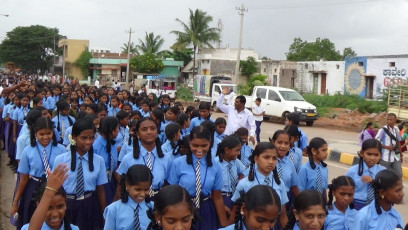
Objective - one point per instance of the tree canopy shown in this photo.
(146, 63)
(83, 62)
(150, 44)
(133, 49)
(314, 51)
(31, 48)
(248, 66)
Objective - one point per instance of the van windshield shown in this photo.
(291, 96)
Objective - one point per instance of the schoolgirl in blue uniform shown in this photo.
(51, 204)
(19, 115)
(35, 160)
(128, 147)
(169, 198)
(364, 173)
(204, 114)
(314, 174)
(86, 177)
(309, 211)
(246, 150)
(173, 135)
(207, 183)
(144, 108)
(285, 168)
(295, 153)
(214, 141)
(293, 118)
(104, 146)
(262, 171)
(261, 202)
(158, 117)
(165, 101)
(130, 212)
(380, 214)
(232, 168)
(146, 151)
(340, 212)
(170, 116)
(63, 120)
(184, 121)
(52, 100)
(8, 134)
(220, 124)
(123, 134)
(113, 109)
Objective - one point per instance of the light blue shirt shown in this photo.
(167, 149)
(290, 177)
(50, 103)
(184, 133)
(113, 111)
(246, 152)
(68, 131)
(62, 119)
(297, 157)
(237, 168)
(196, 121)
(302, 142)
(219, 136)
(308, 176)
(22, 142)
(183, 174)
(31, 161)
(120, 216)
(123, 134)
(46, 227)
(144, 114)
(91, 179)
(336, 220)
(20, 114)
(160, 166)
(125, 150)
(361, 190)
(232, 227)
(8, 111)
(245, 185)
(368, 219)
(214, 148)
(99, 147)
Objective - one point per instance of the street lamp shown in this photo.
(5, 15)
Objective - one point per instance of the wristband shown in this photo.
(52, 189)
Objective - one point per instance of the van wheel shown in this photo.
(309, 123)
(283, 118)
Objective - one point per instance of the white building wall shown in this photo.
(226, 54)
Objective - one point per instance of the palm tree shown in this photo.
(151, 44)
(196, 33)
(133, 49)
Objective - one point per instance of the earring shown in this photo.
(159, 223)
(382, 197)
(242, 213)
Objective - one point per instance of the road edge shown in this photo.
(352, 159)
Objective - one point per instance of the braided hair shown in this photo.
(384, 180)
(107, 126)
(132, 130)
(367, 144)
(79, 126)
(293, 131)
(303, 201)
(136, 146)
(337, 183)
(256, 199)
(171, 195)
(211, 127)
(200, 132)
(260, 148)
(315, 143)
(30, 119)
(229, 142)
(182, 118)
(42, 123)
(171, 131)
(135, 174)
(158, 114)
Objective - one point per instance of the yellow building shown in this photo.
(72, 49)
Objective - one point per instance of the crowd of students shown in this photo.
(96, 158)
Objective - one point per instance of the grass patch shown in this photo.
(184, 93)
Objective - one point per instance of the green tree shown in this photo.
(151, 44)
(184, 55)
(146, 63)
(196, 32)
(133, 49)
(313, 51)
(83, 62)
(348, 52)
(254, 80)
(31, 48)
(248, 66)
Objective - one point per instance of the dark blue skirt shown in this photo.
(227, 202)
(86, 213)
(110, 190)
(359, 204)
(209, 220)
(27, 203)
(2, 124)
(7, 137)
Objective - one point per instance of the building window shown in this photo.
(276, 70)
(361, 64)
(306, 66)
(275, 80)
(337, 66)
(265, 70)
(392, 64)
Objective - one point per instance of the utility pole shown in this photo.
(128, 54)
(241, 13)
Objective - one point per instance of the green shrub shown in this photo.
(184, 93)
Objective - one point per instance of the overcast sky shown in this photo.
(370, 27)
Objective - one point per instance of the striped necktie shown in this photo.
(149, 165)
(198, 184)
(62, 128)
(136, 223)
(280, 173)
(291, 155)
(232, 177)
(80, 180)
(124, 136)
(370, 191)
(45, 162)
(319, 181)
(267, 181)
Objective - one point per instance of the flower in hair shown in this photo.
(71, 141)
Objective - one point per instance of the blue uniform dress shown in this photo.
(361, 190)
(368, 219)
(144, 114)
(302, 142)
(183, 174)
(8, 130)
(160, 166)
(111, 163)
(19, 115)
(50, 102)
(295, 155)
(63, 122)
(289, 177)
(184, 133)
(168, 150)
(246, 152)
(219, 136)
(230, 172)
(214, 148)
(125, 150)
(162, 134)
(122, 137)
(336, 220)
(244, 185)
(113, 111)
(197, 122)
(308, 176)
(31, 163)
(46, 227)
(119, 215)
